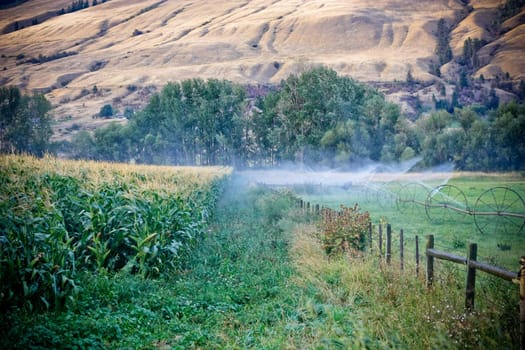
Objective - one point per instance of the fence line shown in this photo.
(431, 254)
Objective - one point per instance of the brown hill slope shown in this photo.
(128, 48)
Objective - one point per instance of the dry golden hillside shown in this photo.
(129, 48)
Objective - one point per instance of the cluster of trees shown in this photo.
(508, 10)
(192, 122)
(25, 122)
(474, 142)
(79, 5)
(316, 118)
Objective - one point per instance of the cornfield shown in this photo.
(62, 218)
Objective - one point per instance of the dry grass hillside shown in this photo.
(129, 48)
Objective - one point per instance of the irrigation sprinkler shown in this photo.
(381, 195)
(387, 194)
(447, 197)
(499, 209)
(411, 196)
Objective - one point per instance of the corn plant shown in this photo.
(59, 218)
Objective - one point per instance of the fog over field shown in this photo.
(363, 174)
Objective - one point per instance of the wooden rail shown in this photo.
(471, 263)
(431, 253)
(474, 265)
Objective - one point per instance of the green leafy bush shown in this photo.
(343, 231)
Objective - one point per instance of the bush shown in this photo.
(344, 231)
(106, 111)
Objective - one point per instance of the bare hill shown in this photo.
(120, 51)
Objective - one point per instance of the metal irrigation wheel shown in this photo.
(500, 210)
(386, 195)
(446, 203)
(411, 197)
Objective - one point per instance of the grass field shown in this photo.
(257, 277)
(401, 203)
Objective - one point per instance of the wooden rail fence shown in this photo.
(431, 254)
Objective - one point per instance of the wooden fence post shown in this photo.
(430, 261)
(471, 277)
(521, 277)
(370, 234)
(417, 255)
(388, 243)
(380, 243)
(401, 254)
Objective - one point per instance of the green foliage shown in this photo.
(55, 225)
(106, 111)
(509, 9)
(78, 5)
(58, 55)
(83, 146)
(315, 118)
(470, 52)
(232, 282)
(443, 50)
(319, 116)
(260, 280)
(25, 122)
(344, 231)
(521, 90)
(494, 143)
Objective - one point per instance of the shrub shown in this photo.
(106, 111)
(344, 231)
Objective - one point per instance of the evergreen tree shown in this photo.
(493, 100)
(443, 50)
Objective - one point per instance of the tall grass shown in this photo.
(398, 309)
(367, 304)
(453, 231)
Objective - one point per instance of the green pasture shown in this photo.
(458, 211)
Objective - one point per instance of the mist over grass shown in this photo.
(299, 174)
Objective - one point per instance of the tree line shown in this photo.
(315, 118)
